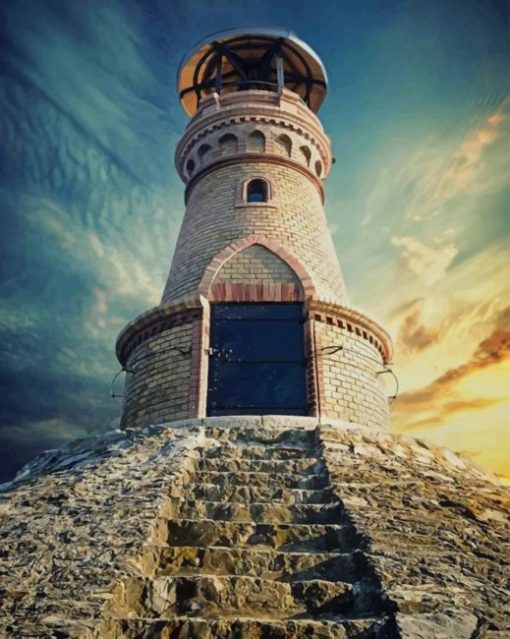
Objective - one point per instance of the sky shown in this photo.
(418, 109)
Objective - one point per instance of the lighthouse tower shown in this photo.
(254, 318)
(254, 491)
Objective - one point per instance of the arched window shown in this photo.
(318, 168)
(190, 167)
(283, 145)
(256, 142)
(204, 152)
(306, 153)
(256, 191)
(228, 143)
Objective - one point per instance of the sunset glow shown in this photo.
(418, 110)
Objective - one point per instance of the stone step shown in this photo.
(247, 494)
(213, 596)
(247, 628)
(282, 480)
(265, 563)
(263, 436)
(228, 465)
(251, 452)
(262, 512)
(288, 537)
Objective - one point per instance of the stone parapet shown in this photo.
(221, 130)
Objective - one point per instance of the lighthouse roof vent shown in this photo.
(251, 58)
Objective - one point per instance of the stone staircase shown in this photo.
(256, 546)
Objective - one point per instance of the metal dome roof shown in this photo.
(251, 58)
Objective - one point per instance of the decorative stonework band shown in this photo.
(259, 108)
(255, 159)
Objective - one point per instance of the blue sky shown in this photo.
(417, 201)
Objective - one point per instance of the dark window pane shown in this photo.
(257, 191)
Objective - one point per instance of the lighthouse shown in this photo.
(254, 489)
(254, 318)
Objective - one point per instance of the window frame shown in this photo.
(242, 196)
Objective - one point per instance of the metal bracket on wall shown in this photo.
(385, 370)
(180, 349)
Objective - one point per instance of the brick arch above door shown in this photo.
(282, 279)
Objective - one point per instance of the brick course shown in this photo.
(295, 220)
(157, 389)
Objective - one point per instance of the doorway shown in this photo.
(257, 360)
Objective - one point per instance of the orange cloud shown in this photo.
(442, 398)
(413, 335)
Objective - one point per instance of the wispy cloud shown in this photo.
(428, 263)
(429, 175)
(438, 180)
(467, 405)
(414, 334)
(491, 351)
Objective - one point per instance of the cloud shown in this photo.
(428, 263)
(441, 393)
(467, 169)
(432, 194)
(466, 160)
(414, 335)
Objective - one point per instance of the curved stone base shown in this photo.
(222, 526)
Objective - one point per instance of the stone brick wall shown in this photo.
(256, 264)
(295, 220)
(350, 387)
(159, 388)
(255, 134)
(168, 385)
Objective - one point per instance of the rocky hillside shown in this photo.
(254, 527)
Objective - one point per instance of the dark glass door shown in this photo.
(257, 362)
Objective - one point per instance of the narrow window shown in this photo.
(228, 144)
(190, 167)
(318, 168)
(256, 142)
(305, 151)
(256, 191)
(204, 152)
(283, 145)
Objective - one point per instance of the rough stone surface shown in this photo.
(254, 527)
(437, 530)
